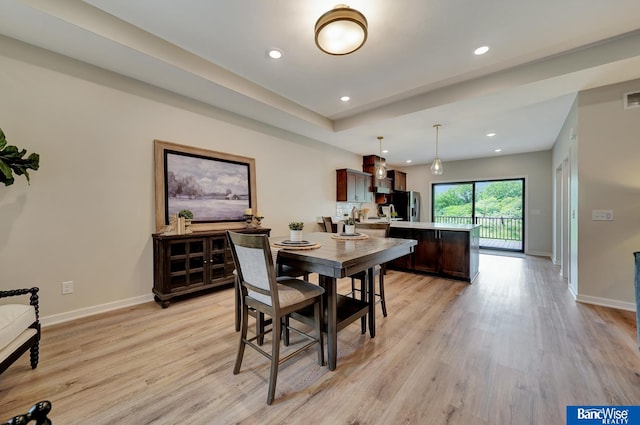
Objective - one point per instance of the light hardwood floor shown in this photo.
(511, 348)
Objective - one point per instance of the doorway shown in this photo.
(497, 205)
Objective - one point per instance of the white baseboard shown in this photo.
(605, 302)
(539, 254)
(96, 309)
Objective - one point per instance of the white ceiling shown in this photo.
(416, 69)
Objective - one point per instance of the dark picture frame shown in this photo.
(216, 186)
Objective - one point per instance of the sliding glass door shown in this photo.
(497, 205)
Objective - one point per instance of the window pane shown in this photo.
(453, 203)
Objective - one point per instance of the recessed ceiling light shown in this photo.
(408, 161)
(385, 151)
(497, 150)
(491, 134)
(274, 53)
(345, 98)
(481, 50)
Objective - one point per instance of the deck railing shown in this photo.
(504, 228)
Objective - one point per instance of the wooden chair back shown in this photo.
(328, 224)
(255, 267)
(376, 230)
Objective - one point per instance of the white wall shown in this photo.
(535, 167)
(565, 157)
(88, 214)
(609, 179)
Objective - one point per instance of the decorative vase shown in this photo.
(295, 235)
(349, 229)
(181, 227)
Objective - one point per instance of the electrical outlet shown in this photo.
(67, 287)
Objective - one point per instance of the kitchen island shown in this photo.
(447, 250)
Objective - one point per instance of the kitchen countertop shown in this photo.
(433, 226)
(397, 223)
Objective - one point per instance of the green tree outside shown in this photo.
(498, 207)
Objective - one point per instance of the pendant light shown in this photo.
(436, 167)
(381, 169)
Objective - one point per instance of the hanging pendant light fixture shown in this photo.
(381, 169)
(436, 166)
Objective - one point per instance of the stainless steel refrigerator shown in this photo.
(407, 205)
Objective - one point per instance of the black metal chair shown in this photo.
(274, 297)
(37, 413)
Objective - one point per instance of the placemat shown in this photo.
(296, 248)
(349, 238)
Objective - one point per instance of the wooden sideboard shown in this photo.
(184, 264)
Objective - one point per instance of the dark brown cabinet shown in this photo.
(378, 186)
(353, 186)
(447, 253)
(189, 263)
(399, 180)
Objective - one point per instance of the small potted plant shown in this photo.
(295, 231)
(349, 226)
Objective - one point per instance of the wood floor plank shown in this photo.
(512, 348)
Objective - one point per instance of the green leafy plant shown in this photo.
(394, 214)
(186, 214)
(12, 161)
(349, 221)
(296, 225)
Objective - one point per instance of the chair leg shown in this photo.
(317, 317)
(260, 327)
(238, 302)
(285, 331)
(363, 297)
(34, 355)
(243, 338)
(382, 299)
(353, 287)
(275, 356)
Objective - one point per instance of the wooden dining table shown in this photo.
(334, 259)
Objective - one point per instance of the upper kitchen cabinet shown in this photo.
(369, 164)
(353, 186)
(399, 180)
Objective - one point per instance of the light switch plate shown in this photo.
(67, 287)
(602, 215)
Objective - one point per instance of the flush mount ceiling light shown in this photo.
(381, 169)
(436, 167)
(481, 50)
(341, 30)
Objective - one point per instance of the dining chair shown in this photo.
(276, 297)
(328, 224)
(378, 230)
(261, 322)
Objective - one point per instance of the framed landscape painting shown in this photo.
(216, 187)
